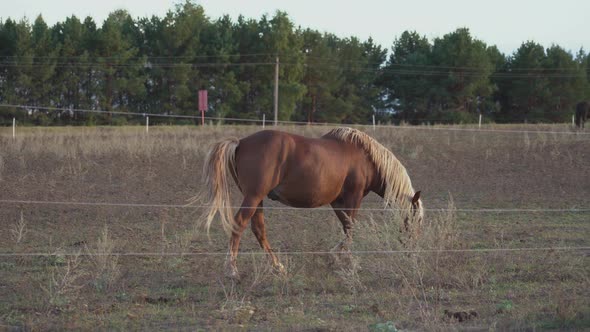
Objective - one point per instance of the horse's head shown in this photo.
(414, 219)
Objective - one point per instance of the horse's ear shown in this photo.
(416, 197)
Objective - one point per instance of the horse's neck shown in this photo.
(377, 185)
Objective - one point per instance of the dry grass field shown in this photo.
(103, 239)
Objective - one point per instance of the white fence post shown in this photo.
(480, 121)
(263, 120)
(373, 122)
(573, 120)
(13, 128)
(147, 124)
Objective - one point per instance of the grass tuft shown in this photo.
(104, 262)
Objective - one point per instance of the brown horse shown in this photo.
(339, 169)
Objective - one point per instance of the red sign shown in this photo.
(202, 100)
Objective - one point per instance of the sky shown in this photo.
(504, 23)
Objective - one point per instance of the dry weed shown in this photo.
(105, 263)
(350, 276)
(18, 229)
(236, 309)
(423, 267)
(65, 280)
(173, 248)
(1, 166)
(261, 271)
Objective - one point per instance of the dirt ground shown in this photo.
(96, 234)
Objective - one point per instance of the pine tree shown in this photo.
(404, 83)
(527, 87)
(44, 65)
(464, 75)
(122, 80)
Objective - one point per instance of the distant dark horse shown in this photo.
(339, 169)
(582, 109)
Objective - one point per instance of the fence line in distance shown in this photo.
(263, 121)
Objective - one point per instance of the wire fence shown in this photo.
(301, 253)
(264, 121)
(296, 253)
(282, 208)
(321, 208)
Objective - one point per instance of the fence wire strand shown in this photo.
(323, 208)
(301, 253)
(270, 121)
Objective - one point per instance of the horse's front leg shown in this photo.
(345, 210)
(347, 224)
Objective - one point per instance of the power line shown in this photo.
(452, 71)
(337, 68)
(269, 56)
(460, 71)
(382, 65)
(272, 55)
(136, 57)
(139, 65)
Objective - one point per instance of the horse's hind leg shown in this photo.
(241, 219)
(260, 232)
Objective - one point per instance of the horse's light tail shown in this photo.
(219, 167)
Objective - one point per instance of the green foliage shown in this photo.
(157, 65)
(454, 116)
(467, 76)
(504, 306)
(527, 92)
(383, 327)
(119, 121)
(405, 90)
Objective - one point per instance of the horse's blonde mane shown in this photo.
(398, 187)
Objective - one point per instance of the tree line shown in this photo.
(156, 65)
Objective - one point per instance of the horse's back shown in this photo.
(260, 160)
(294, 169)
(283, 145)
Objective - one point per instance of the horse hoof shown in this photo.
(233, 275)
(280, 269)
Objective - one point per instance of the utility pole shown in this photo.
(277, 92)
